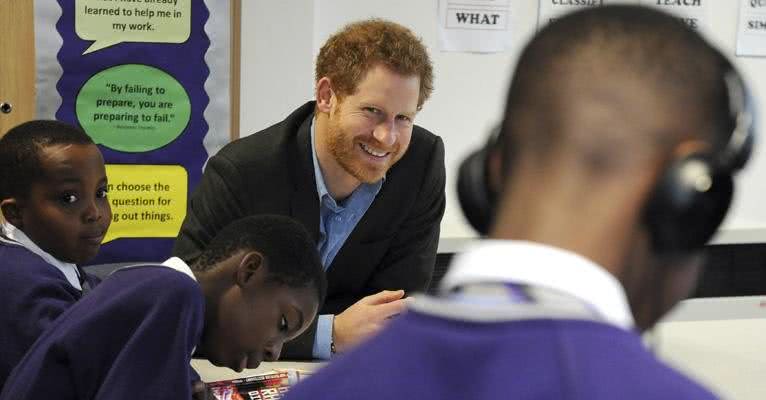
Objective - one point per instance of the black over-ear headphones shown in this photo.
(690, 200)
(473, 190)
(693, 196)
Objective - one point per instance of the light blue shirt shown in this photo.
(336, 222)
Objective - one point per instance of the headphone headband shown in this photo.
(739, 147)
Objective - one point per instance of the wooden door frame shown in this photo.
(17, 62)
(235, 59)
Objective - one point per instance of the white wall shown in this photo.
(276, 65)
(277, 76)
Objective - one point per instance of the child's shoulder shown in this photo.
(155, 274)
(155, 282)
(18, 260)
(27, 280)
(147, 293)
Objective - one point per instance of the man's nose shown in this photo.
(385, 133)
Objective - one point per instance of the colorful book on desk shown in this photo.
(257, 387)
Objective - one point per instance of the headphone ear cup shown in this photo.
(688, 205)
(472, 191)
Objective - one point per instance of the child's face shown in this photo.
(252, 324)
(66, 212)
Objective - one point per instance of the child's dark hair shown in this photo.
(288, 250)
(20, 149)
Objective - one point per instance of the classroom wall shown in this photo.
(278, 41)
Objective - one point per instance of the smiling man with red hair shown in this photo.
(354, 168)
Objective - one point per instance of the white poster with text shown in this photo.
(481, 26)
(751, 33)
(694, 13)
(552, 9)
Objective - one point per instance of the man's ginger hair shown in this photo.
(350, 53)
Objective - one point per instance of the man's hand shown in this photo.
(365, 317)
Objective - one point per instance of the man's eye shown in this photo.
(68, 198)
(283, 324)
(101, 193)
(404, 118)
(372, 110)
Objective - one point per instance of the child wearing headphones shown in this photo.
(258, 284)
(53, 197)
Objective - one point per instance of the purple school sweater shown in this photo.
(129, 338)
(33, 294)
(426, 356)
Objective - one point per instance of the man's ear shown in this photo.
(325, 95)
(12, 211)
(250, 269)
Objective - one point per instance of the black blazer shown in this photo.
(272, 172)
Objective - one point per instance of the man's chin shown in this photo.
(370, 178)
(365, 174)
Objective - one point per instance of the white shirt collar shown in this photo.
(180, 266)
(17, 236)
(536, 264)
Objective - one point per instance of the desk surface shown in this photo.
(210, 373)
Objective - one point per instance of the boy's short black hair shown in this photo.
(20, 149)
(637, 41)
(289, 252)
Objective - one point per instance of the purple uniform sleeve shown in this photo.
(130, 338)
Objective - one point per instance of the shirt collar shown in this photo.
(536, 264)
(180, 266)
(17, 236)
(319, 177)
